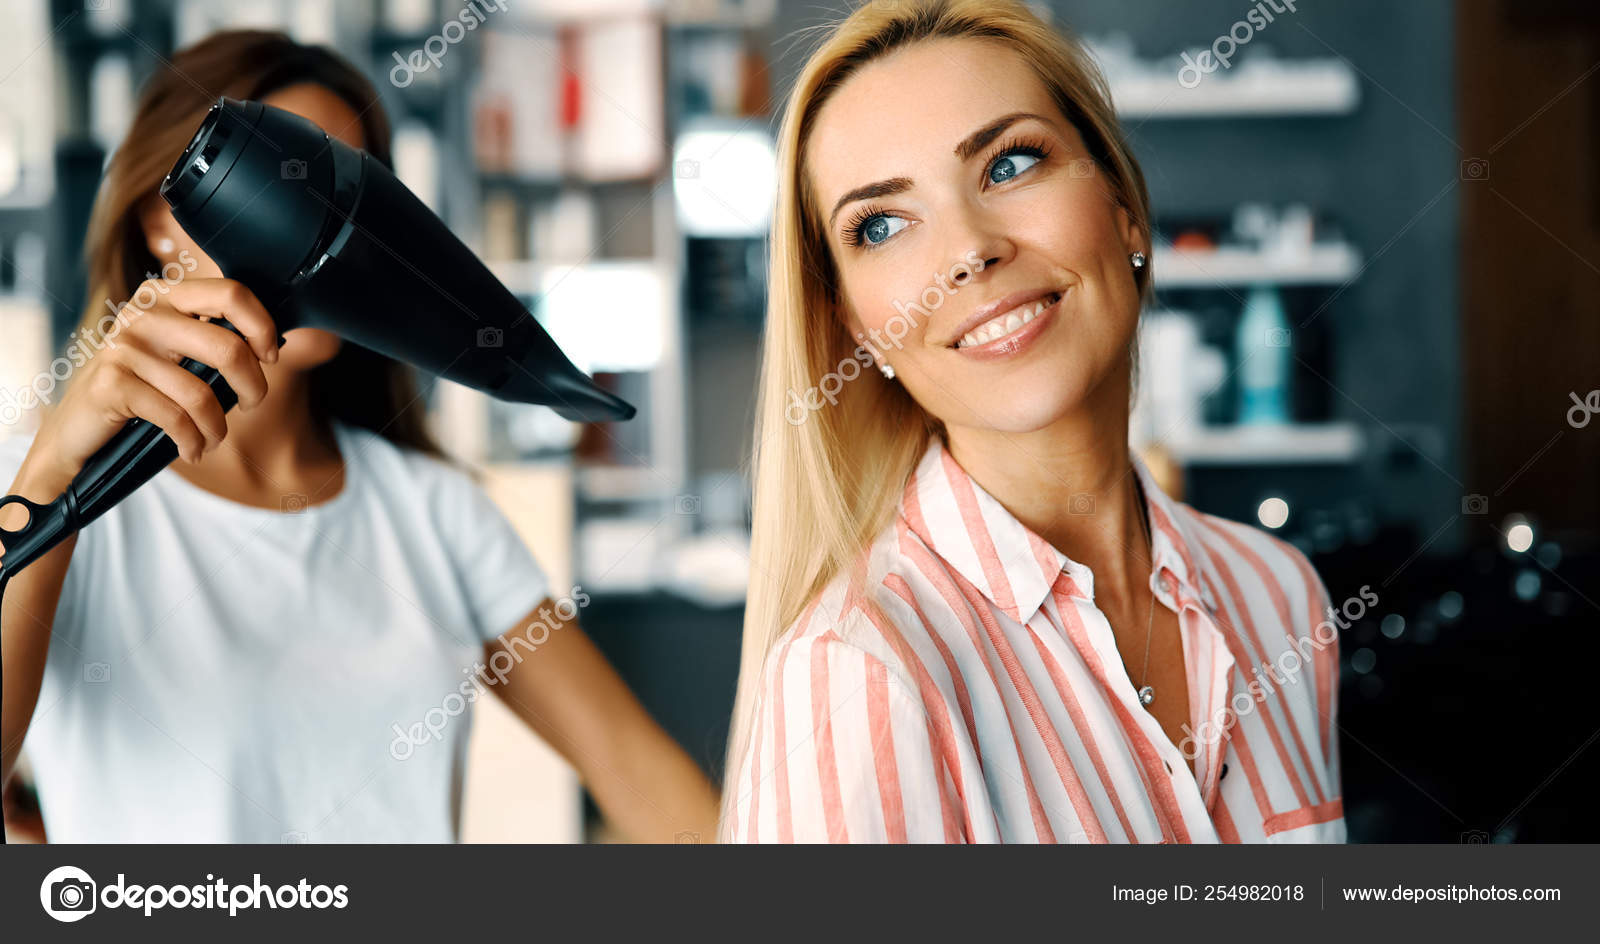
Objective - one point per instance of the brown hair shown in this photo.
(358, 386)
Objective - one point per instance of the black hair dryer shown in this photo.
(326, 237)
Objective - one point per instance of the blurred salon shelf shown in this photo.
(1260, 92)
(1290, 444)
(612, 483)
(1321, 264)
(518, 788)
(529, 276)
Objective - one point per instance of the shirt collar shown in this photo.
(1007, 562)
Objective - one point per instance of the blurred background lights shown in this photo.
(607, 315)
(724, 181)
(1519, 535)
(1363, 661)
(1273, 512)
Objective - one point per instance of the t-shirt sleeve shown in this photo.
(498, 573)
(13, 449)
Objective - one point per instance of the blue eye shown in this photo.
(871, 228)
(1014, 158)
(1009, 166)
(880, 228)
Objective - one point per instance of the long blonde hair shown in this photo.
(826, 483)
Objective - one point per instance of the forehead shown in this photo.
(322, 107)
(904, 113)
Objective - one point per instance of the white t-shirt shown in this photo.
(224, 673)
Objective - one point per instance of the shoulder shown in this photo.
(1245, 549)
(856, 622)
(396, 468)
(1269, 573)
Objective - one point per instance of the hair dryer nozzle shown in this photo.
(327, 237)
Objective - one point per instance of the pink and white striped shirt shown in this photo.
(987, 702)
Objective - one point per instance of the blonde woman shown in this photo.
(973, 615)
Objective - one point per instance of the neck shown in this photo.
(269, 446)
(1072, 483)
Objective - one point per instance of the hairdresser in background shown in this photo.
(282, 633)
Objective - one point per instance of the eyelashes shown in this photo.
(1032, 147)
(852, 231)
(854, 235)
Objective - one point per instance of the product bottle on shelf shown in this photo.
(1262, 348)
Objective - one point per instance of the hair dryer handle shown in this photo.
(140, 449)
(128, 460)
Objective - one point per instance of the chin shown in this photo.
(305, 348)
(1024, 414)
(1030, 398)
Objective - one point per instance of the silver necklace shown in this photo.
(1147, 693)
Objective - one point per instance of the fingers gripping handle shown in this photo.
(129, 459)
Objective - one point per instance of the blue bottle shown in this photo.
(1261, 344)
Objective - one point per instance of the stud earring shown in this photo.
(164, 246)
(1136, 260)
(888, 371)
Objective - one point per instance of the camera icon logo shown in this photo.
(1081, 504)
(293, 169)
(1474, 504)
(1475, 168)
(1476, 837)
(97, 671)
(67, 893)
(491, 337)
(1582, 411)
(1081, 168)
(688, 504)
(293, 503)
(687, 169)
(1277, 337)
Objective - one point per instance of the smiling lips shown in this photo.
(1007, 323)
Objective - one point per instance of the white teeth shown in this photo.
(1002, 325)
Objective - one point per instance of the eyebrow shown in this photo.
(970, 145)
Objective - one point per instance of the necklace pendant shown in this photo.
(1147, 695)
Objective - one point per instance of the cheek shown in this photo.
(895, 307)
(304, 348)
(1074, 230)
(204, 268)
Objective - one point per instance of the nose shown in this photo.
(974, 240)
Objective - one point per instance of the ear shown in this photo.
(1133, 238)
(162, 234)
